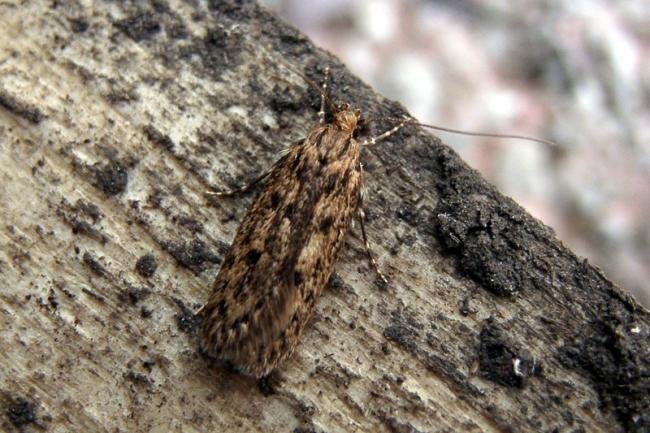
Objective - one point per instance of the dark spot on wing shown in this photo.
(288, 211)
(271, 241)
(239, 292)
(252, 257)
(230, 259)
(284, 344)
(259, 304)
(248, 233)
(275, 200)
(304, 172)
(347, 173)
(222, 285)
(330, 183)
(273, 355)
(344, 149)
(222, 307)
(326, 223)
(297, 278)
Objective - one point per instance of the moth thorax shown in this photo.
(347, 119)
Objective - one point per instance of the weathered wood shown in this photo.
(116, 117)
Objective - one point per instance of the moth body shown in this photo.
(284, 250)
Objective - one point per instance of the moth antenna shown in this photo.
(313, 85)
(409, 121)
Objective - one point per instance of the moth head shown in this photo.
(347, 118)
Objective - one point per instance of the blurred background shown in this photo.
(576, 72)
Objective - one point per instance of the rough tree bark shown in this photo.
(116, 117)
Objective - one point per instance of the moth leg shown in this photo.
(199, 312)
(244, 189)
(321, 113)
(372, 140)
(269, 384)
(373, 263)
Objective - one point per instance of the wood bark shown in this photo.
(117, 117)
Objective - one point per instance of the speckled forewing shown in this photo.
(283, 253)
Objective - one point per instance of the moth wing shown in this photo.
(281, 257)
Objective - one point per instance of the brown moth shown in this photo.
(286, 246)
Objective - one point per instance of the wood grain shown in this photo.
(116, 117)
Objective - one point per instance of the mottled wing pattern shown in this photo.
(283, 253)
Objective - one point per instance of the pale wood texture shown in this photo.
(116, 117)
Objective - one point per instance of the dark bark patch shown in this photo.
(500, 362)
(93, 264)
(193, 255)
(608, 353)
(403, 330)
(112, 177)
(146, 265)
(186, 320)
(157, 137)
(139, 26)
(21, 411)
(20, 108)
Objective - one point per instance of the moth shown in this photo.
(286, 246)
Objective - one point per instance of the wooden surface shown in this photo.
(116, 117)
